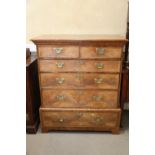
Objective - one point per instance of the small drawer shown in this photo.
(100, 52)
(65, 118)
(79, 98)
(79, 80)
(58, 65)
(49, 51)
(79, 65)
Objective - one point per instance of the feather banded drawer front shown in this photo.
(80, 82)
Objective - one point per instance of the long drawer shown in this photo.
(79, 98)
(79, 80)
(60, 118)
(55, 51)
(79, 65)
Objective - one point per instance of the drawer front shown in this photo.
(79, 98)
(80, 118)
(79, 80)
(58, 65)
(59, 80)
(99, 81)
(98, 99)
(99, 66)
(49, 51)
(79, 65)
(100, 52)
(59, 98)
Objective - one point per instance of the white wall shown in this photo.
(76, 17)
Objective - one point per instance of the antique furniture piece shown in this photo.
(80, 82)
(125, 86)
(32, 93)
(125, 74)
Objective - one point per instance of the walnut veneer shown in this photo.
(80, 82)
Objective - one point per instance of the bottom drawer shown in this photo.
(80, 119)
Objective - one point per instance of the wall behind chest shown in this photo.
(76, 17)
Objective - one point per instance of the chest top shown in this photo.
(80, 39)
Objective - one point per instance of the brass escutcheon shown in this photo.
(61, 120)
(79, 114)
(98, 120)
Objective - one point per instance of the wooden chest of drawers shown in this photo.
(80, 82)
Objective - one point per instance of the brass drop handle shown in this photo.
(98, 80)
(97, 98)
(100, 50)
(60, 64)
(99, 66)
(61, 120)
(60, 97)
(60, 80)
(58, 50)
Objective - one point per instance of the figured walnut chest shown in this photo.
(80, 82)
